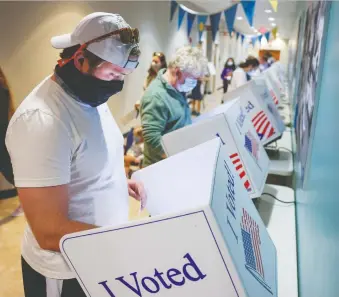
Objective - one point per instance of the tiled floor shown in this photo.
(11, 230)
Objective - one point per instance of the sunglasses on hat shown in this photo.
(127, 36)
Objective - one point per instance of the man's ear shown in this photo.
(79, 60)
(178, 73)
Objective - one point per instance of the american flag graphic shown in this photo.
(251, 242)
(275, 98)
(263, 126)
(251, 145)
(235, 158)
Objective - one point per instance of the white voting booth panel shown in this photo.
(231, 124)
(278, 69)
(263, 114)
(261, 91)
(272, 87)
(205, 237)
(274, 74)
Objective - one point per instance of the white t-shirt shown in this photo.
(55, 140)
(239, 78)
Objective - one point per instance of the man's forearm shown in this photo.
(51, 240)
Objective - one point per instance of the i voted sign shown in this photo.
(209, 243)
(256, 105)
(163, 257)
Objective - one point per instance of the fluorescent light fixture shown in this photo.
(239, 18)
(273, 24)
(271, 19)
(268, 11)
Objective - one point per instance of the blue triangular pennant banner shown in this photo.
(254, 40)
(215, 21)
(190, 21)
(249, 7)
(201, 24)
(174, 6)
(230, 17)
(242, 38)
(268, 36)
(238, 34)
(181, 15)
(260, 38)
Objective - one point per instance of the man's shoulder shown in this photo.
(42, 107)
(46, 98)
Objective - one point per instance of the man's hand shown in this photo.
(137, 191)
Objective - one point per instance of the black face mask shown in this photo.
(87, 88)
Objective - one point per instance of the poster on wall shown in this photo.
(312, 52)
(296, 57)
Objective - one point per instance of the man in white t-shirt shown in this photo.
(67, 151)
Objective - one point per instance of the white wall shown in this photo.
(27, 57)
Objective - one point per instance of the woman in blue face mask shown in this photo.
(164, 108)
(227, 72)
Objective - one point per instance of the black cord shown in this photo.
(285, 202)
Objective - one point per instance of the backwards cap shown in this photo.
(94, 26)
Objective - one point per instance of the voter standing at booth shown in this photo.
(67, 150)
(264, 61)
(241, 74)
(164, 108)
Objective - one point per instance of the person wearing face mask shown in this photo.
(158, 63)
(264, 64)
(227, 72)
(67, 151)
(164, 108)
(255, 71)
(241, 74)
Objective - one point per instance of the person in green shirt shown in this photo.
(164, 107)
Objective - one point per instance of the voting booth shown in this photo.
(205, 237)
(232, 125)
(274, 90)
(255, 99)
(261, 91)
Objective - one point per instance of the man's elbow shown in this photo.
(152, 138)
(48, 237)
(49, 242)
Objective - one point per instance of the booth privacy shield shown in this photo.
(262, 113)
(232, 125)
(205, 237)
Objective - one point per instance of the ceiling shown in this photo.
(284, 18)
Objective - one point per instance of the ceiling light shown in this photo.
(273, 24)
(239, 18)
(271, 19)
(268, 11)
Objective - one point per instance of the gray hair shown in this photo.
(190, 60)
